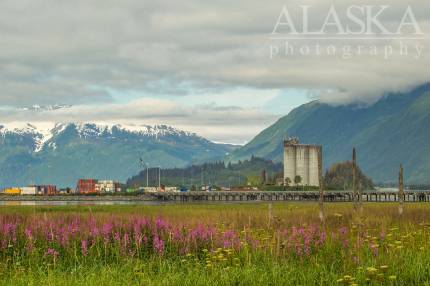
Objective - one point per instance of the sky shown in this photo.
(217, 68)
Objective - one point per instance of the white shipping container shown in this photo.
(151, 189)
(105, 186)
(28, 190)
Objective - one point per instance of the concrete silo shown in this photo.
(301, 160)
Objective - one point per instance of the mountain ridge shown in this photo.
(60, 153)
(394, 130)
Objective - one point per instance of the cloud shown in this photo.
(218, 123)
(185, 61)
(55, 51)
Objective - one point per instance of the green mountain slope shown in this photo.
(394, 130)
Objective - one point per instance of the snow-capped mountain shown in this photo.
(43, 132)
(46, 107)
(60, 153)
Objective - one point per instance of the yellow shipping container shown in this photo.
(12, 191)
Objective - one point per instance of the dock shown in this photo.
(232, 196)
(295, 196)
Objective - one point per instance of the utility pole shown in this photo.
(321, 183)
(147, 176)
(183, 178)
(401, 191)
(360, 197)
(354, 178)
(159, 178)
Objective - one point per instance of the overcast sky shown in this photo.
(211, 67)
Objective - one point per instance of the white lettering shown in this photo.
(413, 22)
(289, 23)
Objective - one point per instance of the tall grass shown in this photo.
(238, 244)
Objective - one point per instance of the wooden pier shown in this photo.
(329, 196)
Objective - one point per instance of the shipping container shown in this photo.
(171, 189)
(12, 191)
(150, 189)
(32, 190)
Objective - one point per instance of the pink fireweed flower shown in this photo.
(84, 247)
(161, 224)
(52, 252)
(138, 239)
(158, 245)
(117, 237)
(343, 230)
(28, 233)
(230, 239)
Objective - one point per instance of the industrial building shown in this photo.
(301, 163)
(47, 190)
(86, 186)
(107, 186)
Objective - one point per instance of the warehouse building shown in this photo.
(301, 163)
(86, 186)
(107, 186)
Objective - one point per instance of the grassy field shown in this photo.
(226, 244)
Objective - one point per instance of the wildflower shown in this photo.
(84, 247)
(28, 233)
(52, 252)
(158, 245)
(384, 268)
